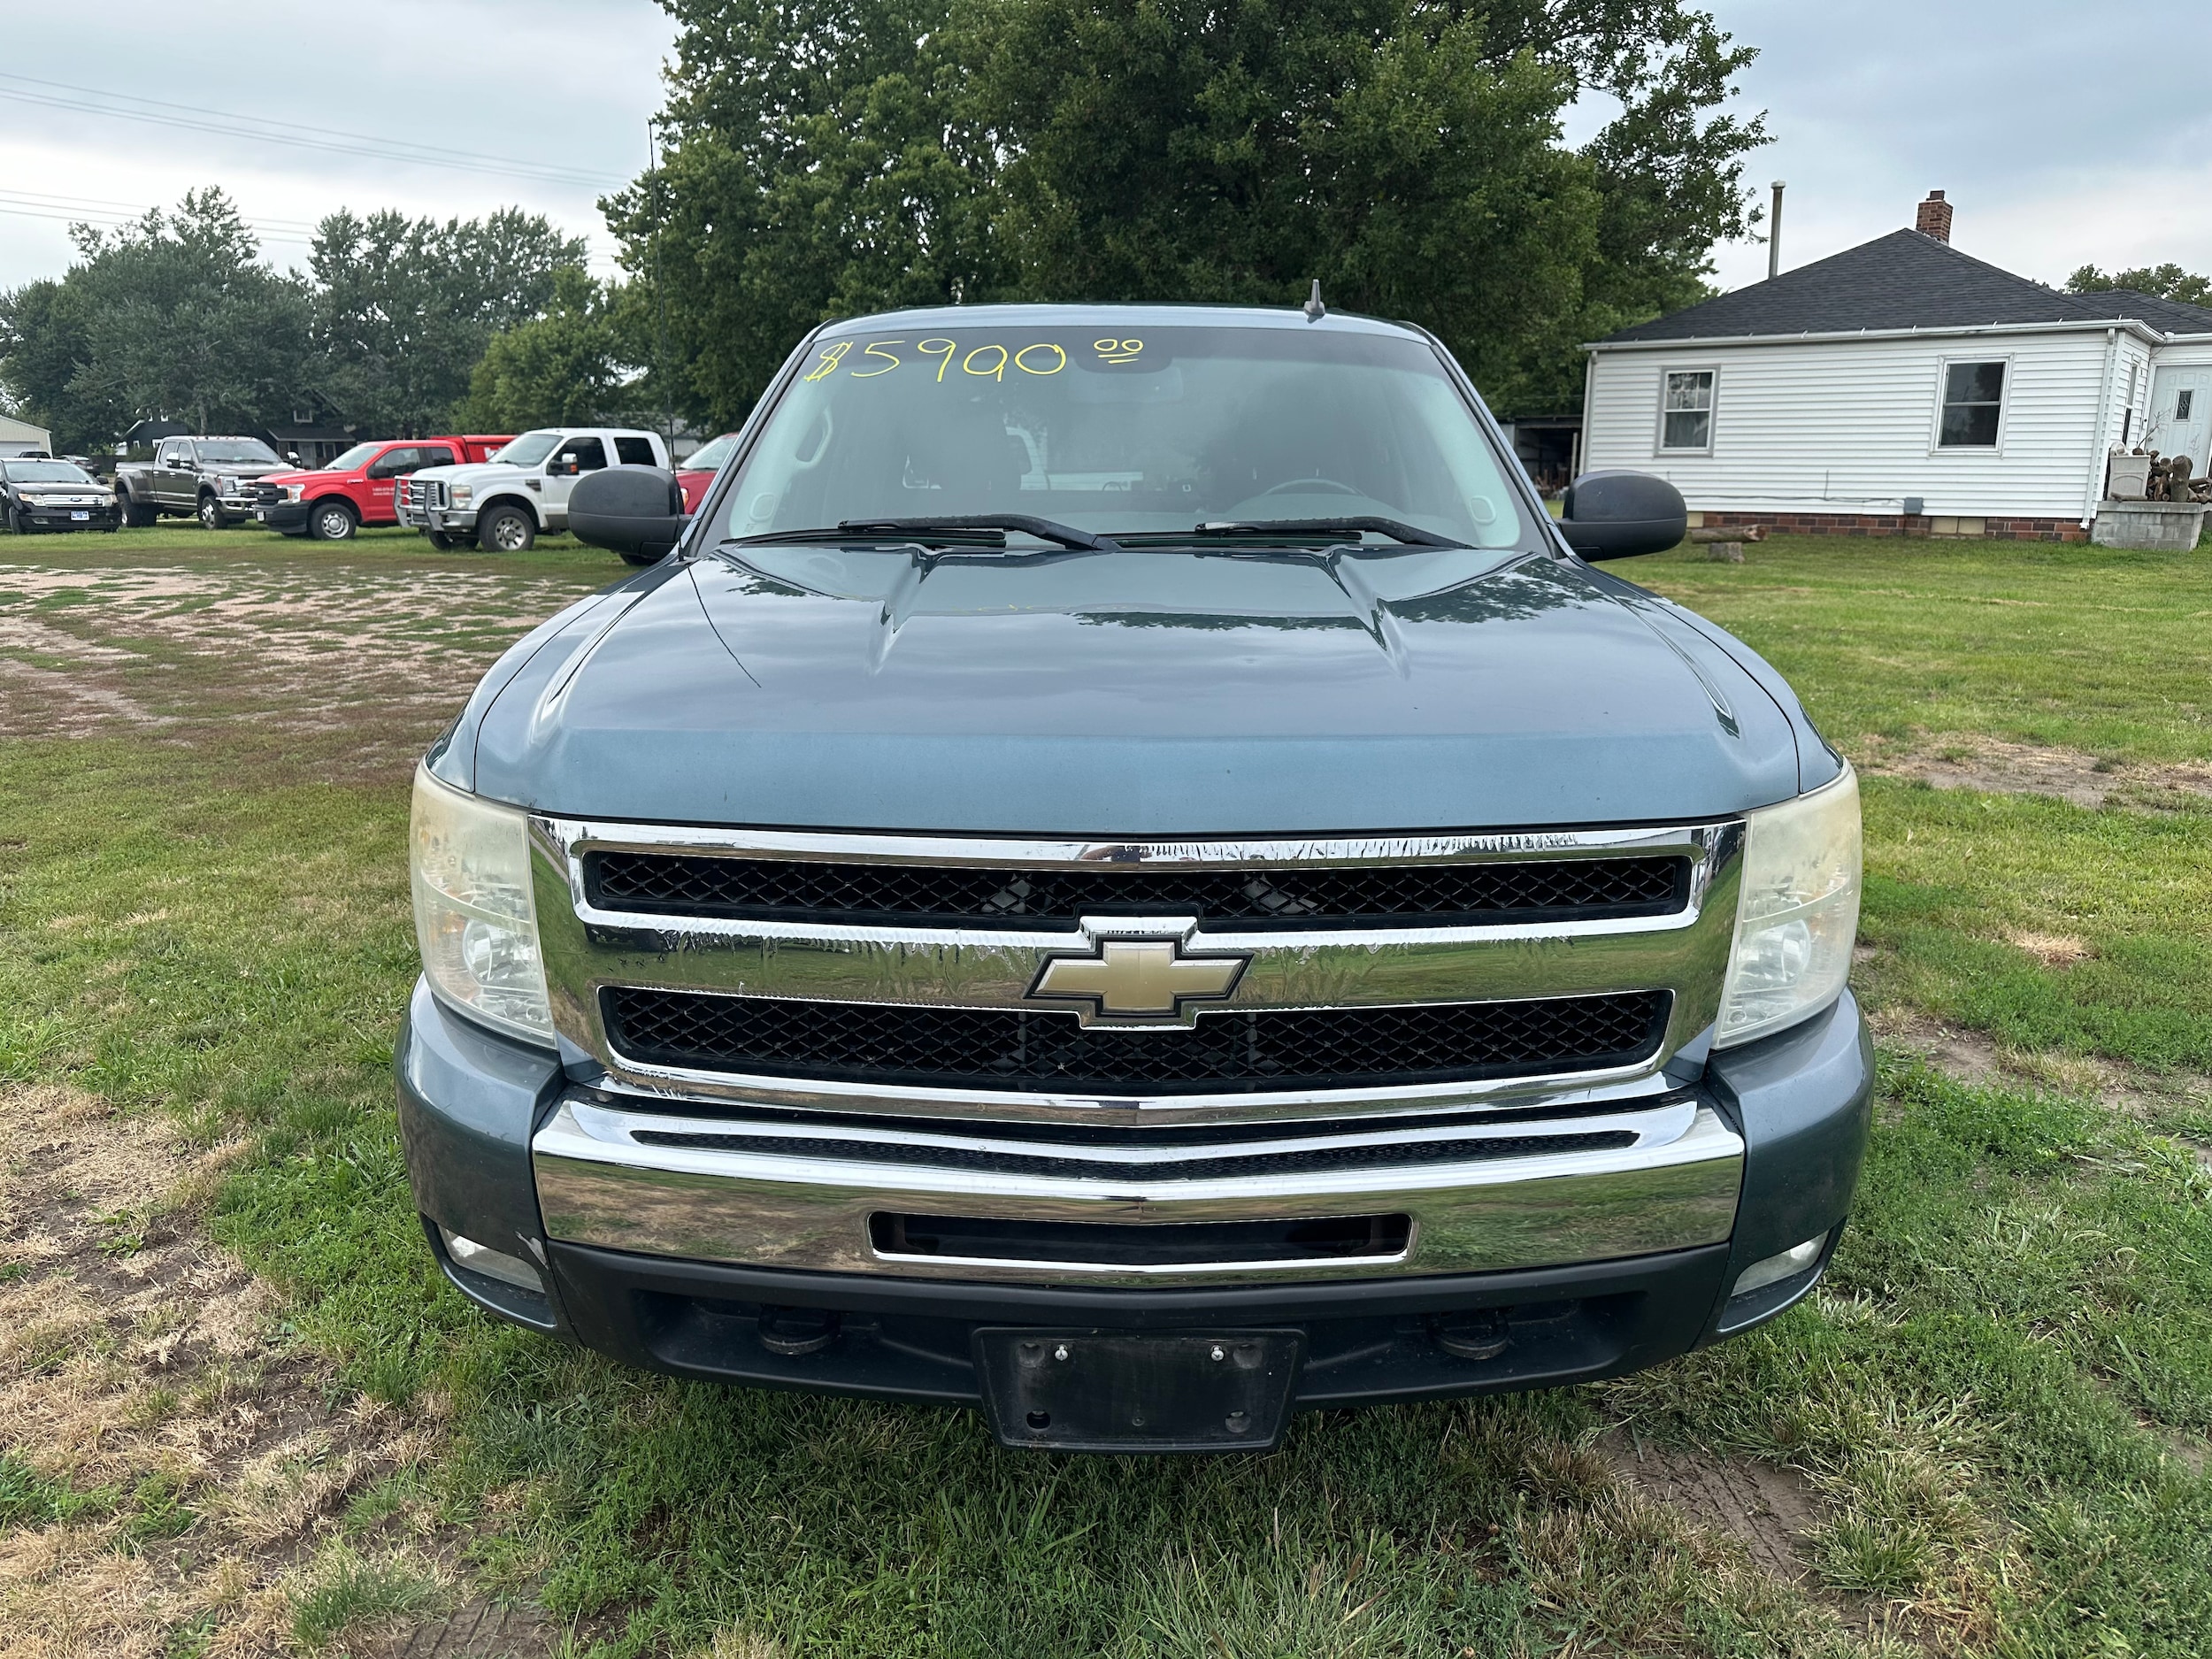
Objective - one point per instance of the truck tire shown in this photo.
(16, 526)
(506, 530)
(629, 558)
(446, 543)
(330, 521)
(132, 514)
(211, 515)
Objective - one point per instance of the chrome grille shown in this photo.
(424, 492)
(890, 974)
(1250, 1051)
(1451, 894)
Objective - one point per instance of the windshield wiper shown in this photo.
(1411, 534)
(975, 529)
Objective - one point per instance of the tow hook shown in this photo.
(1471, 1335)
(796, 1331)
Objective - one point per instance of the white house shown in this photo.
(19, 437)
(1901, 387)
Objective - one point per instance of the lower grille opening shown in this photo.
(1263, 1049)
(1123, 1244)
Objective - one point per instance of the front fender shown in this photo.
(508, 498)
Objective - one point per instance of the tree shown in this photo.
(2168, 281)
(829, 157)
(1192, 152)
(807, 175)
(403, 309)
(173, 316)
(564, 368)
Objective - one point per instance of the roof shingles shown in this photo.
(1905, 279)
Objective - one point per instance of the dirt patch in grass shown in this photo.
(1972, 1058)
(1768, 1510)
(347, 670)
(1996, 766)
(172, 1471)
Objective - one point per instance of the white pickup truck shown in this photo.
(506, 504)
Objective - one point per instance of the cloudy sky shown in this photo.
(2055, 137)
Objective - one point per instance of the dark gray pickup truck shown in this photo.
(211, 480)
(1124, 872)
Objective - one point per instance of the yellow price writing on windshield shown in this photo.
(988, 361)
(831, 359)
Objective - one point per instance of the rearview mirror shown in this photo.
(1620, 515)
(637, 512)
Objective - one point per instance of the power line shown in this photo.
(35, 204)
(191, 117)
(128, 212)
(288, 237)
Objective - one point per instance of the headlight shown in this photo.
(461, 494)
(474, 917)
(229, 486)
(293, 492)
(1798, 914)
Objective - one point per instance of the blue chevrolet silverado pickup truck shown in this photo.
(1121, 870)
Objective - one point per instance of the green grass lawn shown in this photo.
(1996, 1413)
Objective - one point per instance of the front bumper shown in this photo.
(447, 520)
(290, 517)
(474, 1108)
(80, 516)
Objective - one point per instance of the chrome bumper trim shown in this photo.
(598, 1184)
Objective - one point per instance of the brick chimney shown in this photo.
(1934, 217)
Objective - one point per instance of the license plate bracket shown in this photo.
(1137, 1391)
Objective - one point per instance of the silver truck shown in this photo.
(210, 479)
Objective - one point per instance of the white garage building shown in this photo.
(19, 437)
(1901, 388)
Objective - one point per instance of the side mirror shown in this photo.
(1620, 515)
(637, 512)
(564, 466)
(293, 456)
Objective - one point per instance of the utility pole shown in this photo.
(660, 295)
(1774, 235)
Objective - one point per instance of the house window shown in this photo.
(2182, 400)
(1973, 393)
(1685, 410)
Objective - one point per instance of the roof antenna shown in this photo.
(1315, 310)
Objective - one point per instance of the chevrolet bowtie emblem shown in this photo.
(1136, 977)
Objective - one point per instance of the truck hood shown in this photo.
(472, 471)
(1129, 694)
(307, 476)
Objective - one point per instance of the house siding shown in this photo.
(1848, 427)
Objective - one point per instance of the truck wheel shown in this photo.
(131, 513)
(330, 521)
(506, 530)
(16, 526)
(212, 513)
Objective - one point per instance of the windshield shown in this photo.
(357, 456)
(528, 450)
(708, 456)
(241, 450)
(48, 472)
(1119, 434)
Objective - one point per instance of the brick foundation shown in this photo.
(1945, 527)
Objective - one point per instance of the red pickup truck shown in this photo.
(697, 472)
(331, 503)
